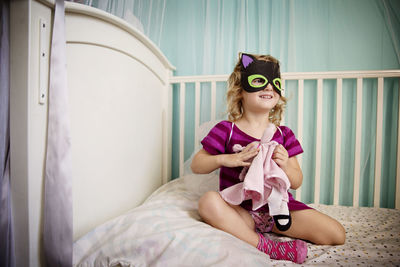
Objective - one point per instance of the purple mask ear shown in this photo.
(246, 60)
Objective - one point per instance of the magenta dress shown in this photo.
(222, 137)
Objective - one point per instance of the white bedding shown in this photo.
(166, 230)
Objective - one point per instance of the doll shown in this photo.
(264, 182)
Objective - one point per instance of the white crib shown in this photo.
(300, 78)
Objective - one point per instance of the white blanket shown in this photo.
(166, 230)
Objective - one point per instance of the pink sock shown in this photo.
(295, 250)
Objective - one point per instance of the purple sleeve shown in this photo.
(215, 142)
(290, 142)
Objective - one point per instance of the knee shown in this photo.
(210, 205)
(337, 236)
(340, 235)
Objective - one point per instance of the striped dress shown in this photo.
(221, 139)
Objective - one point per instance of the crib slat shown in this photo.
(181, 127)
(300, 117)
(300, 114)
(213, 99)
(317, 180)
(378, 142)
(357, 152)
(397, 205)
(284, 121)
(196, 115)
(338, 140)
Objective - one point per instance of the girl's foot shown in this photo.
(295, 250)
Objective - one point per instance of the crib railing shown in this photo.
(319, 77)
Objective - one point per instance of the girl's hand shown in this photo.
(242, 158)
(289, 165)
(281, 156)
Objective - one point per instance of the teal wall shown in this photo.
(205, 36)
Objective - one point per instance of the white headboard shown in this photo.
(120, 109)
(119, 87)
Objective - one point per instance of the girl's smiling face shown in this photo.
(262, 101)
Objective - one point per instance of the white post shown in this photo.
(397, 206)
(357, 152)
(318, 151)
(300, 115)
(196, 115)
(378, 149)
(213, 99)
(181, 127)
(338, 140)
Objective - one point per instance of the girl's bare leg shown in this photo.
(315, 227)
(231, 219)
(238, 222)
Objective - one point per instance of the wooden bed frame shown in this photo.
(114, 71)
(120, 110)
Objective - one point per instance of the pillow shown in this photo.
(202, 131)
(205, 128)
(199, 184)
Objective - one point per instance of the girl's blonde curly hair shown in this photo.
(234, 94)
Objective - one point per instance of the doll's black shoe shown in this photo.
(283, 227)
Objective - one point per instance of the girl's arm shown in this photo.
(203, 162)
(289, 165)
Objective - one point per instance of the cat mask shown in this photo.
(257, 74)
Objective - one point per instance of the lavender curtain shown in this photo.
(58, 231)
(7, 256)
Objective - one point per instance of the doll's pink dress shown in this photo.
(264, 182)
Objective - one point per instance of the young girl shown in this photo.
(254, 102)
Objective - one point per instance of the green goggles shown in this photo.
(260, 82)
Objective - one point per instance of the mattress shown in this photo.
(166, 230)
